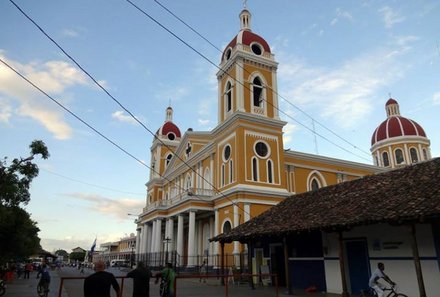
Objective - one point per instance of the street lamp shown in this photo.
(132, 255)
(133, 215)
(166, 241)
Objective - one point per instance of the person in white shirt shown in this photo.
(378, 274)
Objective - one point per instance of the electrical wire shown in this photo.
(232, 77)
(269, 87)
(85, 123)
(120, 104)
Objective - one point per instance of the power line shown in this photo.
(215, 65)
(71, 113)
(122, 106)
(84, 122)
(269, 87)
(90, 184)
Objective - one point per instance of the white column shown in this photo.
(141, 239)
(145, 238)
(407, 157)
(211, 234)
(216, 228)
(239, 86)
(191, 238)
(247, 216)
(391, 157)
(275, 96)
(158, 235)
(180, 237)
(211, 170)
(138, 239)
(199, 250)
(236, 222)
(167, 226)
(171, 246)
(149, 238)
(153, 237)
(379, 159)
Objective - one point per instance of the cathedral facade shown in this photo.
(203, 183)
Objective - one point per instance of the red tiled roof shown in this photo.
(410, 194)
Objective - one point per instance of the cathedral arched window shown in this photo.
(227, 227)
(188, 150)
(188, 182)
(231, 171)
(399, 156)
(269, 171)
(168, 159)
(257, 90)
(222, 182)
(315, 181)
(207, 179)
(228, 97)
(425, 154)
(385, 159)
(414, 155)
(254, 169)
(314, 184)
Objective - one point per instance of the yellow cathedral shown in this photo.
(203, 183)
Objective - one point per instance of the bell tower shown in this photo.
(247, 81)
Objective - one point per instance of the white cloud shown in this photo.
(288, 130)
(5, 110)
(70, 33)
(341, 14)
(343, 94)
(53, 77)
(204, 122)
(436, 98)
(117, 208)
(122, 117)
(390, 17)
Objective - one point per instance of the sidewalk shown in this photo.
(187, 287)
(28, 287)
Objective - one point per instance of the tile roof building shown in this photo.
(205, 183)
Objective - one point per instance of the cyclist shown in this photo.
(378, 274)
(45, 278)
(167, 285)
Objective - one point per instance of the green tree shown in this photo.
(63, 253)
(16, 178)
(18, 232)
(77, 256)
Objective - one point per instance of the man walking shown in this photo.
(141, 280)
(99, 283)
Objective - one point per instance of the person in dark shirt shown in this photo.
(141, 280)
(98, 284)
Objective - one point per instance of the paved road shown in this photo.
(185, 287)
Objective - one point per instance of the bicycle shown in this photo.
(2, 287)
(392, 292)
(43, 288)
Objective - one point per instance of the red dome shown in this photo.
(391, 101)
(167, 128)
(246, 37)
(396, 126)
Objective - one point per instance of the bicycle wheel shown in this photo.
(2, 291)
(40, 290)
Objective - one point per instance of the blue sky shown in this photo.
(338, 61)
